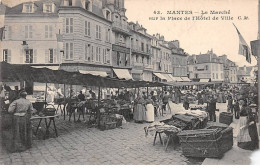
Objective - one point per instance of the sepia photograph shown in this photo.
(129, 82)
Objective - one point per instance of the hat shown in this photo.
(23, 92)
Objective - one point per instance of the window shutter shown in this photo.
(55, 56)
(21, 56)
(35, 56)
(47, 56)
(9, 56)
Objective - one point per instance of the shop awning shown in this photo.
(204, 80)
(159, 75)
(168, 78)
(179, 79)
(96, 73)
(172, 77)
(123, 74)
(55, 68)
(185, 79)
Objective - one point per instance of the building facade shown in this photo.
(141, 61)
(30, 34)
(230, 70)
(206, 67)
(87, 31)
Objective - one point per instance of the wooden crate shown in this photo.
(226, 118)
(212, 142)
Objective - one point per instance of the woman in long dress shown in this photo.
(247, 137)
(139, 109)
(149, 110)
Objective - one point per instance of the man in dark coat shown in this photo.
(212, 108)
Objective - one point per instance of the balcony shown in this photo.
(121, 28)
(137, 49)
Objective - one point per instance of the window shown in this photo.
(86, 4)
(142, 46)
(87, 50)
(98, 32)
(108, 15)
(207, 67)
(48, 31)
(87, 28)
(213, 76)
(28, 8)
(108, 56)
(69, 25)
(67, 2)
(195, 68)
(28, 31)
(69, 51)
(92, 53)
(29, 56)
(147, 48)
(51, 56)
(104, 56)
(108, 35)
(216, 75)
(48, 8)
(5, 55)
(98, 54)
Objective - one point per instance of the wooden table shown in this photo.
(51, 119)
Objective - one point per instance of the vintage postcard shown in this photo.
(129, 82)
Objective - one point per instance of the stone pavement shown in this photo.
(79, 144)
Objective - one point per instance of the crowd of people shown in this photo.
(147, 105)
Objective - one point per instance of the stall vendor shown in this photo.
(149, 109)
(22, 110)
(139, 109)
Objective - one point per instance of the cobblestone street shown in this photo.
(78, 144)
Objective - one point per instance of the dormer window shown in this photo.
(86, 4)
(48, 8)
(28, 8)
(108, 15)
(67, 2)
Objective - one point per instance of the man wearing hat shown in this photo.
(21, 110)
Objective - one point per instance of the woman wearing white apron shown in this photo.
(149, 110)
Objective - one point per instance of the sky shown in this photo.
(196, 36)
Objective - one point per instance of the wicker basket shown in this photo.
(107, 126)
(226, 118)
(212, 142)
(49, 110)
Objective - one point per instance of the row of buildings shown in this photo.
(90, 36)
(212, 68)
(95, 36)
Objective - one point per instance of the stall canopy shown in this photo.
(204, 80)
(20, 73)
(123, 74)
(159, 75)
(95, 73)
(185, 79)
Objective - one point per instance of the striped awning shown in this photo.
(123, 74)
(159, 75)
(55, 68)
(185, 79)
(96, 73)
(204, 80)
